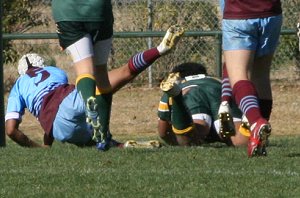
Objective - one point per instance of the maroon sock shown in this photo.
(226, 89)
(246, 97)
(142, 60)
(265, 108)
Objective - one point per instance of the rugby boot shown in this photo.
(170, 39)
(151, 144)
(260, 131)
(227, 128)
(109, 143)
(245, 122)
(245, 127)
(92, 117)
(170, 85)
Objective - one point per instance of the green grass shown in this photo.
(208, 171)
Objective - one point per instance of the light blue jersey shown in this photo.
(29, 89)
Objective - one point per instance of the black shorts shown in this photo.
(70, 32)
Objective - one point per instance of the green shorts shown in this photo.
(71, 31)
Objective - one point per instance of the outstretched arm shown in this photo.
(12, 130)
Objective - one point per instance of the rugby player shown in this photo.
(188, 109)
(251, 30)
(85, 30)
(59, 106)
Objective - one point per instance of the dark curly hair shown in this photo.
(189, 69)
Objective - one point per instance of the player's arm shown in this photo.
(164, 125)
(166, 133)
(12, 130)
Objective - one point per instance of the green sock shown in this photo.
(86, 86)
(104, 109)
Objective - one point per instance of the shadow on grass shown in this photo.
(292, 155)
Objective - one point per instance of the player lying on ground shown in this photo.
(188, 110)
(60, 109)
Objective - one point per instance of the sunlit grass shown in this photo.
(209, 171)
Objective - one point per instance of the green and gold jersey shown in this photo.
(82, 10)
(204, 96)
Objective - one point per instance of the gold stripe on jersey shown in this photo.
(244, 131)
(163, 106)
(84, 76)
(182, 131)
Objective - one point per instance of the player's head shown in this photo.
(30, 60)
(189, 69)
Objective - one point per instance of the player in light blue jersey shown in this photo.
(40, 89)
(59, 107)
(34, 86)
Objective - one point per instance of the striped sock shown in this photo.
(226, 89)
(245, 95)
(142, 60)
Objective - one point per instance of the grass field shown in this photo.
(214, 171)
(209, 171)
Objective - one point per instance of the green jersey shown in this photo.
(82, 10)
(204, 97)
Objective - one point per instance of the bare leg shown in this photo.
(260, 76)
(120, 77)
(238, 63)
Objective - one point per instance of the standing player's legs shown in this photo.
(260, 76)
(109, 83)
(227, 128)
(99, 106)
(268, 41)
(239, 43)
(82, 54)
(104, 93)
(74, 37)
